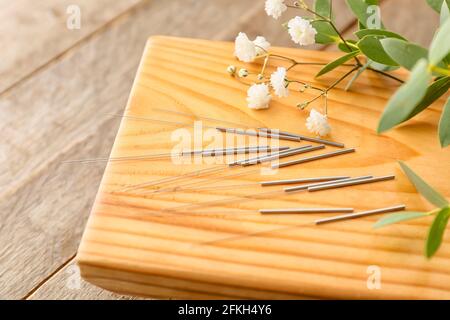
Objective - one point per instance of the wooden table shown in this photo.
(57, 87)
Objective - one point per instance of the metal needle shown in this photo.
(258, 134)
(307, 186)
(361, 214)
(306, 138)
(301, 180)
(230, 151)
(341, 184)
(283, 154)
(306, 210)
(313, 158)
(277, 153)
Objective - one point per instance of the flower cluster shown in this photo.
(301, 31)
(258, 95)
(246, 50)
(275, 8)
(317, 123)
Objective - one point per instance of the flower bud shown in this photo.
(231, 70)
(302, 105)
(242, 73)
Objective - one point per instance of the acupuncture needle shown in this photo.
(313, 158)
(195, 173)
(265, 183)
(201, 117)
(361, 214)
(171, 179)
(228, 130)
(204, 153)
(235, 198)
(305, 210)
(175, 123)
(340, 184)
(312, 185)
(248, 197)
(257, 160)
(306, 224)
(255, 133)
(306, 138)
(183, 187)
(284, 154)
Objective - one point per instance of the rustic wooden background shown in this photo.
(57, 87)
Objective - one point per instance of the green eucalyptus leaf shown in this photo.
(437, 4)
(324, 8)
(372, 48)
(344, 48)
(444, 125)
(381, 67)
(436, 90)
(377, 32)
(403, 102)
(336, 63)
(325, 33)
(404, 53)
(445, 12)
(440, 47)
(436, 232)
(424, 188)
(399, 217)
(447, 59)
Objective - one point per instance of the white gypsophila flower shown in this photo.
(258, 96)
(244, 49)
(278, 82)
(301, 31)
(261, 44)
(317, 123)
(275, 8)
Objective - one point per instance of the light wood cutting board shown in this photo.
(134, 245)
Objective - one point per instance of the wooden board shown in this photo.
(132, 244)
(42, 214)
(45, 67)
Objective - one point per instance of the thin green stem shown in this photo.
(441, 71)
(386, 75)
(324, 93)
(306, 84)
(266, 60)
(295, 62)
(341, 79)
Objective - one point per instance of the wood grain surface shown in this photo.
(53, 108)
(136, 243)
